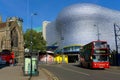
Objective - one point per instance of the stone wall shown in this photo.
(12, 37)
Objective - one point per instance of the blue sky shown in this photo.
(46, 9)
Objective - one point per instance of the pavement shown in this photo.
(16, 73)
(115, 67)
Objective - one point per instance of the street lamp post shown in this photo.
(31, 44)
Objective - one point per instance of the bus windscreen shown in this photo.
(99, 58)
(100, 44)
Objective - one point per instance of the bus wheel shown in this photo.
(81, 65)
(88, 66)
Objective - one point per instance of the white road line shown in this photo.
(76, 71)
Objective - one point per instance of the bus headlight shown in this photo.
(95, 64)
(107, 64)
(91, 57)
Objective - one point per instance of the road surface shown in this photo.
(74, 72)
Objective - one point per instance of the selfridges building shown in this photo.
(81, 24)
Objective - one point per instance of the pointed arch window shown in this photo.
(14, 38)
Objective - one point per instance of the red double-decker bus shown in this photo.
(95, 55)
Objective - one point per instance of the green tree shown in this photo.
(38, 43)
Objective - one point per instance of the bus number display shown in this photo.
(100, 51)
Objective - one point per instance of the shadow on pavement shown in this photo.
(3, 66)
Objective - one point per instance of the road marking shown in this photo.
(51, 75)
(76, 71)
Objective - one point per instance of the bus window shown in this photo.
(93, 57)
(100, 44)
(103, 57)
(98, 58)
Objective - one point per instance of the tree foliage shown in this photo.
(35, 39)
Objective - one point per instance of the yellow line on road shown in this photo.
(51, 75)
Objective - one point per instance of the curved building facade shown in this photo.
(83, 23)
